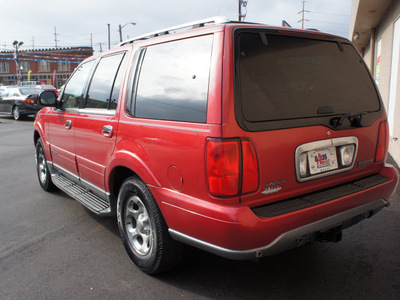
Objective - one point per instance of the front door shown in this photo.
(62, 122)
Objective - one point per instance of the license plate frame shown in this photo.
(322, 160)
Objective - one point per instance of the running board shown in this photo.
(85, 197)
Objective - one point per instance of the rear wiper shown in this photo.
(355, 120)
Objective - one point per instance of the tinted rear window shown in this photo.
(285, 77)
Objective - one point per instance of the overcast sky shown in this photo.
(33, 22)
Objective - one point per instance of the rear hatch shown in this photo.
(310, 108)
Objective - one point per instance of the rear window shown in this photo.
(290, 78)
(29, 91)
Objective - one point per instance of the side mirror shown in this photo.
(48, 98)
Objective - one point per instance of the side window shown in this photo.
(73, 91)
(117, 84)
(173, 82)
(103, 80)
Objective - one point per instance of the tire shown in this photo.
(143, 229)
(42, 170)
(16, 114)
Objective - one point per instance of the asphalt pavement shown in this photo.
(52, 248)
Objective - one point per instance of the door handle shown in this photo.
(68, 124)
(107, 131)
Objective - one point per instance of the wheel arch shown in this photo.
(126, 164)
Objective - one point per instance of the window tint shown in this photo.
(102, 82)
(173, 83)
(283, 77)
(75, 86)
(117, 85)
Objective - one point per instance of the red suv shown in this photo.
(240, 139)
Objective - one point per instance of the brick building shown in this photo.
(49, 66)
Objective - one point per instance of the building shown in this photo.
(375, 31)
(49, 66)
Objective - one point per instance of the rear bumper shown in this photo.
(290, 239)
(236, 232)
(29, 109)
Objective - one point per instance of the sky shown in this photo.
(84, 22)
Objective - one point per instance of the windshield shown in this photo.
(285, 77)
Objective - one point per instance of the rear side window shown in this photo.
(100, 91)
(288, 78)
(173, 82)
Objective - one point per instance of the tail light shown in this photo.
(383, 142)
(223, 167)
(250, 168)
(232, 167)
(29, 100)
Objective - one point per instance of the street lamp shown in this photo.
(120, 29)
(17, 45)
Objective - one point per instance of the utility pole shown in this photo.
(109, 42)
(33, 42)
(91, 41)
(55, 36)
(242, 10)
(302, 16)
(120, 29)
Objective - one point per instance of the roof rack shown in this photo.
(191, 25)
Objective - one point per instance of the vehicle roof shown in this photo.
(221, 24)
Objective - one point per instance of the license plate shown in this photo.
(322, 160)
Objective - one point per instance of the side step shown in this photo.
(85, 197)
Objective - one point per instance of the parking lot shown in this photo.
(51, 247)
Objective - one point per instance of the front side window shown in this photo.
(100, 89)
(74, 89)
(173, 83)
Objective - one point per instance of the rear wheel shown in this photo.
(143, 229)
(42, 170)
(16, 114)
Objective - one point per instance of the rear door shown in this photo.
(301, 100)
(96, 124)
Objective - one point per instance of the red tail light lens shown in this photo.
(250, 168)
(383, 142)
(223, 167)
(29, 100)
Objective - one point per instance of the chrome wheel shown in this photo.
(138, 226)
(42, 167)
(16, 114)
(42, 170)
(143, 229)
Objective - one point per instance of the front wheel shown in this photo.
(143, 229)
(42, 170)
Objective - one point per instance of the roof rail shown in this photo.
(191, 25)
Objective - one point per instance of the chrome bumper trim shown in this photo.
(288, 240)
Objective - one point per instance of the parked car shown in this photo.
(20, 101)
(30, 83)
(48, 88)
(240, 139)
